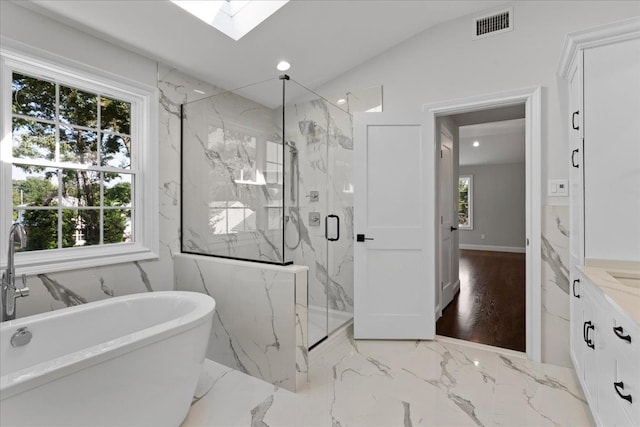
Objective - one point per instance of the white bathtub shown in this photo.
(125, 361)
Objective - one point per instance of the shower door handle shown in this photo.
(326, 228)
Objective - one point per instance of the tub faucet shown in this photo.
(9, 291)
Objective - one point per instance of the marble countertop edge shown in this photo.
(625, 297)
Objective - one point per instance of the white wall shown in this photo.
(498, 206)
(444, 63)
(53, 38)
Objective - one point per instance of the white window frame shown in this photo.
(470, 226)
(144, 158)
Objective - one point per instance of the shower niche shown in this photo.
(266, 177)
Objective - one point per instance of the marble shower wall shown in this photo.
(232, 191)
(323, 135)
(260, 321)
(555, 285)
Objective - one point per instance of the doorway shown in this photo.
(486, 212)
(512, 268)
(405, 249)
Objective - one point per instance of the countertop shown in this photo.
(626, 297)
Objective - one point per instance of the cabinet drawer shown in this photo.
(628, 373)
(624, 337)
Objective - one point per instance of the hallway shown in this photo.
(490, 307)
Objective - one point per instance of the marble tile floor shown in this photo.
(397, 383)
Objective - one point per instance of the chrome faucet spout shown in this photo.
(17, 237)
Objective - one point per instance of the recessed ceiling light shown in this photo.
(476, 144)
(199, 91)
(283, 66)
(341, 101)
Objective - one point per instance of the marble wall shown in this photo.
(555, 285)
(260, 323)
(233, 176)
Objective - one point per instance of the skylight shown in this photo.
(235, 18)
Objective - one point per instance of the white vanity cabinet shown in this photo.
(602, 67)
(607, 358)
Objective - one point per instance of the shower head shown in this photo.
(307, 127)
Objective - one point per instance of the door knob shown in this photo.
(453, 228)
(362, 238)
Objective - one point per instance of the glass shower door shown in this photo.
(340, 208)
(319, 210)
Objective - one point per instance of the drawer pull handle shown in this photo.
(573, 120)
(573, 159)
(620, 386)
(619, 333)
(574, 288)
(590, 343)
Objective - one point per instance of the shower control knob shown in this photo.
(314, 196)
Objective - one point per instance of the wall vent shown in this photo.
(493, 23)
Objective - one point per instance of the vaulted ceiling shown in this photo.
(321, 39)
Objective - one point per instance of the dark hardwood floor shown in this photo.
(490, 307)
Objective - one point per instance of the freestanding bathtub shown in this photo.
(126, 361)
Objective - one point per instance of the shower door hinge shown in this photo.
(440, 153)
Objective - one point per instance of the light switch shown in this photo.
(558, 187)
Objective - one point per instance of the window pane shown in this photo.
(81, 188)
(78, 146)
(274, 152)
(241, 219)
(78, 107)
(463, 215)
(80, 227)
(463, 201)
(115, 115)
(42, 228)
(33, 97)
(33, 140)
(115, 151)
(117, 189)
(273, 174)
(34, 186)
(117, 226)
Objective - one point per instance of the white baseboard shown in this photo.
(513, 249)
(456, 287)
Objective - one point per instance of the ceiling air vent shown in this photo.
(493, 23)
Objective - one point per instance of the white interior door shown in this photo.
(447, 227)
(394, 289)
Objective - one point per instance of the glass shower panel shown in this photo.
(266, 176)
(340, 205)
(305, 242)
(233, 174)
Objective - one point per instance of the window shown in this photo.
(76, 147)
(465, 202)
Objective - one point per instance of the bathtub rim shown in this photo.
(14, 383)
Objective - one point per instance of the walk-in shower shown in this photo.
(266, 177)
